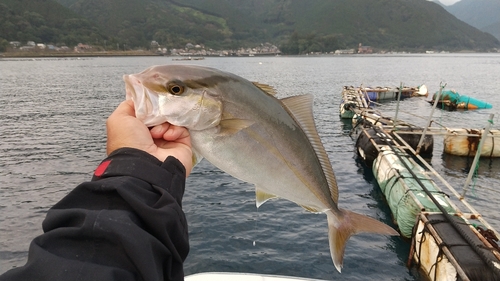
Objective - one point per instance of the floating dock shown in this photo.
(450, 240)
(465, 142)
(425, 214)
(361, 97)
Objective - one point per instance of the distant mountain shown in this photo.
(44, 21)
(385, 24)
(482, 14)
(296, 26)
(138, 22)
(493, 29)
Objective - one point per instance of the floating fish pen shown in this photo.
(452, 249)
(460, 142)
(465, 142)
(446, 242)
(352, 99)
(370, 139)
(371, 136)
(389, 93)
(398, 176)
(403, 182)
(451, 100)
(370, 116)
(454, 245)
(359, 98)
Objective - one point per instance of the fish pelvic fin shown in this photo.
(340, 228)
(261, 197)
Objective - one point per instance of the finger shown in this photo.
(158, 131)
(126, 108)
(175, 132)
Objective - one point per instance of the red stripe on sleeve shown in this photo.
(102, 168)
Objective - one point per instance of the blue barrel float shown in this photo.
(452, 100)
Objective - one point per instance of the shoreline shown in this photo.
(28, 55)
(73, 54)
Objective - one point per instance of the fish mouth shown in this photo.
(129, 88)
(144, 106)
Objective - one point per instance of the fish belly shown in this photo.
(269, 158)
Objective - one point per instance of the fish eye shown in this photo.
(175, 88)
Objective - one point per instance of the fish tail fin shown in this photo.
(340, 228)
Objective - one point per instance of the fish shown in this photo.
(242, 128)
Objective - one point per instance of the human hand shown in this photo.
(125, 130)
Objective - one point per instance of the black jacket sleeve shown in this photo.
(125, 224)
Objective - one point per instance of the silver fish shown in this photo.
(244, 130)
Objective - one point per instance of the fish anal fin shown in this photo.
(311, 209)
(232, 126)
(340, 228)
(266, 88)
(261, 197)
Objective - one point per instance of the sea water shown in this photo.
(52, 136)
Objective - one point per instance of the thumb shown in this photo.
(126, 108)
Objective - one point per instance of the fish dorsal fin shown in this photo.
(262, 197)
(266, 88)
(300, 108)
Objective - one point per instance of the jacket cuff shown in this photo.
(138, 164)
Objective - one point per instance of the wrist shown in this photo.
(129, 162)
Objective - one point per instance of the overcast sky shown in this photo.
(448, 2)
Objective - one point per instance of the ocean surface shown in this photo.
(52, 137)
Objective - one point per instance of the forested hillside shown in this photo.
(296, 26)
(44, 21)
(384, 24)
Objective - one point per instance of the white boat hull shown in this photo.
(230, 276)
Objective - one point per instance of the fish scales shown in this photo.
(263, 157)
(241, 128)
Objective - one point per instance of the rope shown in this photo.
(490, 264)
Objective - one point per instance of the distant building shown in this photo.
(15, 44)
(364, 49)
(344, 52)
(27, 48)
(82, 47)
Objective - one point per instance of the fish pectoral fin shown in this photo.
(196, 157)
(261, 197)
(232, 126)
(341, 227)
